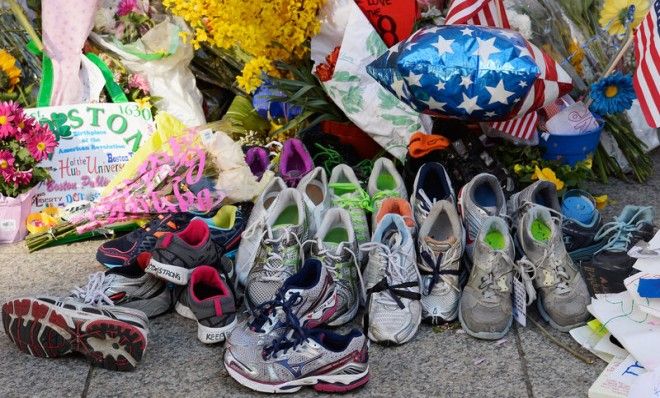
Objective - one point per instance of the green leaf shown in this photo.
(398, 120)
(375, 44)
(344, 76)
(352, 99)
(387, 100)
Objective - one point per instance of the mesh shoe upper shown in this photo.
(209, 298)
(432, 185)
(189, 248)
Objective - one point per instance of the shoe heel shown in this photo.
(339, 387)
(111, 344)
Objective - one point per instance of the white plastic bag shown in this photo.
(163, 58)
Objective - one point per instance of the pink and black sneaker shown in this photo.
(111, 337)
(176, 254)
(208, 300)
(295, 162)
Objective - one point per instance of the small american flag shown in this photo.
(647, 76)
(478, 12)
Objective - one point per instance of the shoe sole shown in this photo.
(320, 383)
(47, 331)
(184, 311)
(170, 273)
(484, 335)
(546, 317)
(209, 335)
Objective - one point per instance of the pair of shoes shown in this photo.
(546, 269)
(440, 243)
(88, 321)
(280, 349)
(611, 264)
(209, 300)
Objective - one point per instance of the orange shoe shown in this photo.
(397, 206)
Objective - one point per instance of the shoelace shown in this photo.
(520, 269)
(556, 268)
(356, 197)
(274, 266)
(295, 337)
(436, 266)
(425, 204)
(94, 291)
(620, 233)
(254, 228)
(382, 195)
(390, 260)
(330, 259)
(267, 312)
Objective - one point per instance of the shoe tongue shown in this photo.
(332, 247)
(392, 238)
(440, 246)
(280, 230)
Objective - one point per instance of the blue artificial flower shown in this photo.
(612, 94)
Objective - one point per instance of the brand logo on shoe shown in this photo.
(215, 336)
(163, 272)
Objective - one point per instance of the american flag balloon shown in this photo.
(472, 73)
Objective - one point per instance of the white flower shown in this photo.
(520, 22)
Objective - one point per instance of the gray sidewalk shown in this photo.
(437, 362)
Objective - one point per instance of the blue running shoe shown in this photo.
(226, 227)
(580, 224)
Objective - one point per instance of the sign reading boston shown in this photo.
(95, 142)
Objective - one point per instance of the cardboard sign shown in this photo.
(394, 20)
(95, 142)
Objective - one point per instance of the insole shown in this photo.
(295, 162)
(385, 181)
(541, 199)
(495, 239)
(204, 291)
(315, 193)
(485, 196)
(343, 187)
(289, 216)
(441, 229)
(540, 231)
(225, 217)
(337, 235)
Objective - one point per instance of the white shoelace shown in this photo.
(425, 204)
(94, 291)
(386, 256)
(555, 267)
(523, 268)
(274, 266)
(255, 228)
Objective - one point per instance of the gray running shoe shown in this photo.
(541, 193)
(251, 237)
(321, 359)
(393, 283)
(485, 309)
(128, 286)
(347, 193)
(477, 200)
(208, 300)
(314, 190)
(384, 182)
(432, 184)
(563, 296)
(336, 248)
(279, 253)
(307, 298)
(440, 245)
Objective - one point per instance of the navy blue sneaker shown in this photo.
(122, 251)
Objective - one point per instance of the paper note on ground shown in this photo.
(617, 379)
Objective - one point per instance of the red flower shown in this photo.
(326, 70)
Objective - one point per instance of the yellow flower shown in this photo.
(517, 168)
(601, 201)
(42, 222)
(10, 75)
(588, 163)
(614, 14)
(577, 58)
(547, 174)
(144, 102)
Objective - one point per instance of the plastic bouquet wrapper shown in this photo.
(13, 212)
(471, 73)
(373, 109)
(161, 56)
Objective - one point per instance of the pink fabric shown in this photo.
(66, 25)
(13, 214)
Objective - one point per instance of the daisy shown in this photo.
(7, 128)
(612, 94)
(6, 164)
(41, 144)
(615, 15)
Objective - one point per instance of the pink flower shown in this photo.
(126, 7)
(6, 164)
(138, 81)
(8, 112)
(23, 177)
(41, 143)
(26, 127)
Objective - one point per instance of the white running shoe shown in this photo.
(314, 189)
(384, 182)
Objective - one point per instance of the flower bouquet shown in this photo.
(23, 144)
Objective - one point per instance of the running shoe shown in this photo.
(321, 359)
(208, 300)
(486, 308)
(251, 237)
(479, 199)
(393, 310)
(432, 184)
(581, 223)
(308, 298)
(280, 252)
(611, 264)
(128, 286)
(226, 227)
(336, 248)
(562, 294)
(295, 162)
(384, 182)
(401, 207)
(110, 337)
(314, 190)
(346, 192)
(258, 159)
(176, 254)
(440, 245)
(540, 193)
(123, 250)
